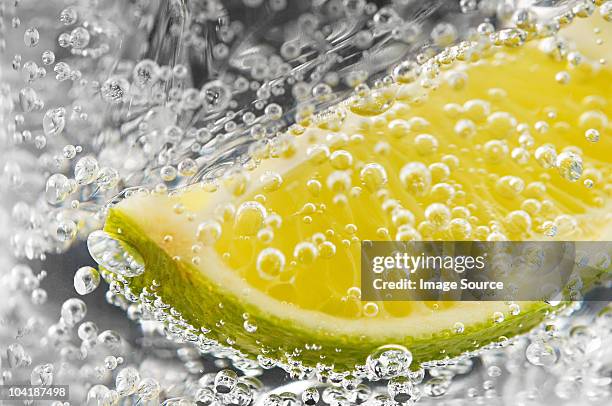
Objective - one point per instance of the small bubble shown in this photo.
(86, 170)
(127, 381)
(187, 167)
(416, 178)
(68, 16)
(310, 396)
(209, 232)
(39, 296)
(225, 381)
(606, 11)
(215, 96)
(406, 72)
(373, 176)
(389, 361)
(54, 121)
(57, 188)
(148, 389)
(562, 77)
(73, 311)
(86, 280)
(249, 218)
(271, 181)
(436, 387)
(444, 34)
(249, 326)
(592, 135)
(305, 252)
(541, 354)
(87, 331)
(494, 371)
(48, 57)
(270, 263)
(168, 173)
(515, 309)
(370, 309)
(110, 339)
(569, 165)
(114, 90)
(31, 37)
(79, 38)
(110, 362)
(438, 214)
(66, 230)
(107, 178)
(498, 317)
(145, 73)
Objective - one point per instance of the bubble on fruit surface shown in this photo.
(249, 218)
(389, 361)
(270, 263)
(127, 381)
(86, 170)
(209, 232)
(569, 165)
(114, 255)
(416, 178)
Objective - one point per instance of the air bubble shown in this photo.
(115, 90)
(115, 256)
(86, 280)
(31, 37)
(389, 361)
(127, 381)
(569, 165)
(270, 263)
(54, 121)
(249, 218)
(73, 311)
(541, 354)
(57, 188)
(86, 170)
(416, 178)
(225, 381)
(68, 16)
(79, 38)
(209, 232)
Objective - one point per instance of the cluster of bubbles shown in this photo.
(85, 124)
(568, 349)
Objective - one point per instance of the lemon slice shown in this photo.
(265, 260)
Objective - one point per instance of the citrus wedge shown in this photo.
(513, 145)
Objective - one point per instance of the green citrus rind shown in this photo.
(202, 304)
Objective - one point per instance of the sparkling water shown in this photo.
(104, 99)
